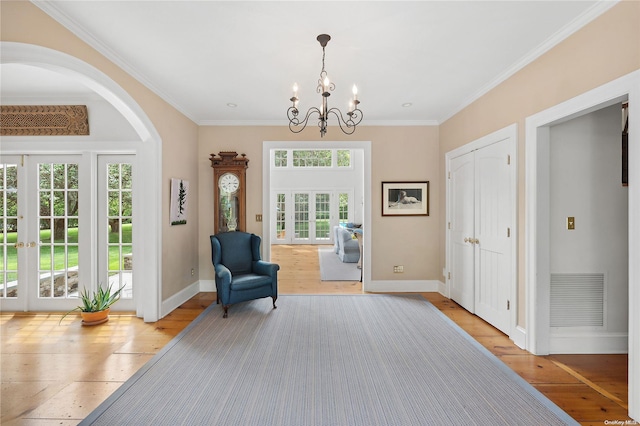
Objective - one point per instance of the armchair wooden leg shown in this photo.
(226, 309)
(274, 302)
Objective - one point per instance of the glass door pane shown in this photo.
(116, 252)
(301, 216)
(58, 202)
(9, 229)
(322, 217)
(281, 217)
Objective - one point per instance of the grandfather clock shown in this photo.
(230, 192)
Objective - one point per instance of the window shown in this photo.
(280, 158)
(344, 158)
(312, 158)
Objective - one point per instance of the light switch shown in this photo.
(571, 222)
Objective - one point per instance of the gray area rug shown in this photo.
(332, 269)
(326, 360)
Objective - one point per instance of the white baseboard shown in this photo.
(179, 298)
(519, 337)
(589, 342)
(409, 286)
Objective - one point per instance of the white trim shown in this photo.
(511, 133)
(403, 286)
(587, 343)
(285, 123)
(149, 156)
(519, 337)
(267, 146)
(179, 298)
(537, 221)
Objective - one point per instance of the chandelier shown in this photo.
(325, 86)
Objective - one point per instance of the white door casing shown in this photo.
(481, 234)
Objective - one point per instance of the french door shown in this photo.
(50, 245)
(307, 217)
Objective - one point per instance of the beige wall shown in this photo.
(605, 49)
(25, 23)
(397, 153)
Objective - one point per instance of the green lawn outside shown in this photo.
(58, 251)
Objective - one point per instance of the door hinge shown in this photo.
(508, 305)
(449, 175)
(449, 275)
(508, 232)
(449, 225)
(508, 160)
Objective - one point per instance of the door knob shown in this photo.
(32, 244)
(466, 240)
(18, 245)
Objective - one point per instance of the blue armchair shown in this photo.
(240, 274)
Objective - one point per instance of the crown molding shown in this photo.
(283, 123)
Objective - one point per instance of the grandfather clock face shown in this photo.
(229, 183)
(229, 175)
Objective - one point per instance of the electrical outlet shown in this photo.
(258, 218)
(193, 272)
(398, 269)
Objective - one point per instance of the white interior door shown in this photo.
(462, 230)
(493, 222)
(481, 200)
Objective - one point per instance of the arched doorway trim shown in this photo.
(149, 155)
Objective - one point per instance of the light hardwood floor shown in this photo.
(57, 374)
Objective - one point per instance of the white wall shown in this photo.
(585, 172)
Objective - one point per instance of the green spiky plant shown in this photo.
(99, 301)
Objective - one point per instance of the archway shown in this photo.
(149, 155)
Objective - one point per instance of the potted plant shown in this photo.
(95, 307)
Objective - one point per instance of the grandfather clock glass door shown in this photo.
(229, 181)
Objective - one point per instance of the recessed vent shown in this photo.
(577, 300)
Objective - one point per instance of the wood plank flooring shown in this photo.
(57, 374)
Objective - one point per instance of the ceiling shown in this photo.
(235, 62)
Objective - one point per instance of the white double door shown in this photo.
(482, 197)
(67, 225)
(308, 216)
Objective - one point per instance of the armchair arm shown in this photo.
(265, 268)
(223, 282)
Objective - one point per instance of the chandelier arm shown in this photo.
(350, 124)
(294, 121)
